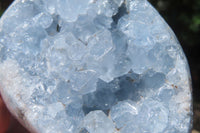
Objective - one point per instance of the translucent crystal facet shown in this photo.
(93, 66)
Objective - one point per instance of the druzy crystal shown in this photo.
(93, 66)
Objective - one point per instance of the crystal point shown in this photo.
(97, 66)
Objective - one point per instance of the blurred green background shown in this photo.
(184, 18)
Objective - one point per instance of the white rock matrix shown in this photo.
(93, 66)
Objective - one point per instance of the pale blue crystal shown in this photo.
(98, 122)
(97, 66)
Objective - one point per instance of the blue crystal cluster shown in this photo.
(93, 66)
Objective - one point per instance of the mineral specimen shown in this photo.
(97, 66)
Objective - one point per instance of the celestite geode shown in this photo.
(93, 66)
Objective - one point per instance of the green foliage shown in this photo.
(1, 12)
(195, 23)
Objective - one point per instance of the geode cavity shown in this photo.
(97, 66)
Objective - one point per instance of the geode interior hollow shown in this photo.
(93, 66)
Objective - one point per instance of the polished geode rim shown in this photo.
(20, 113)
